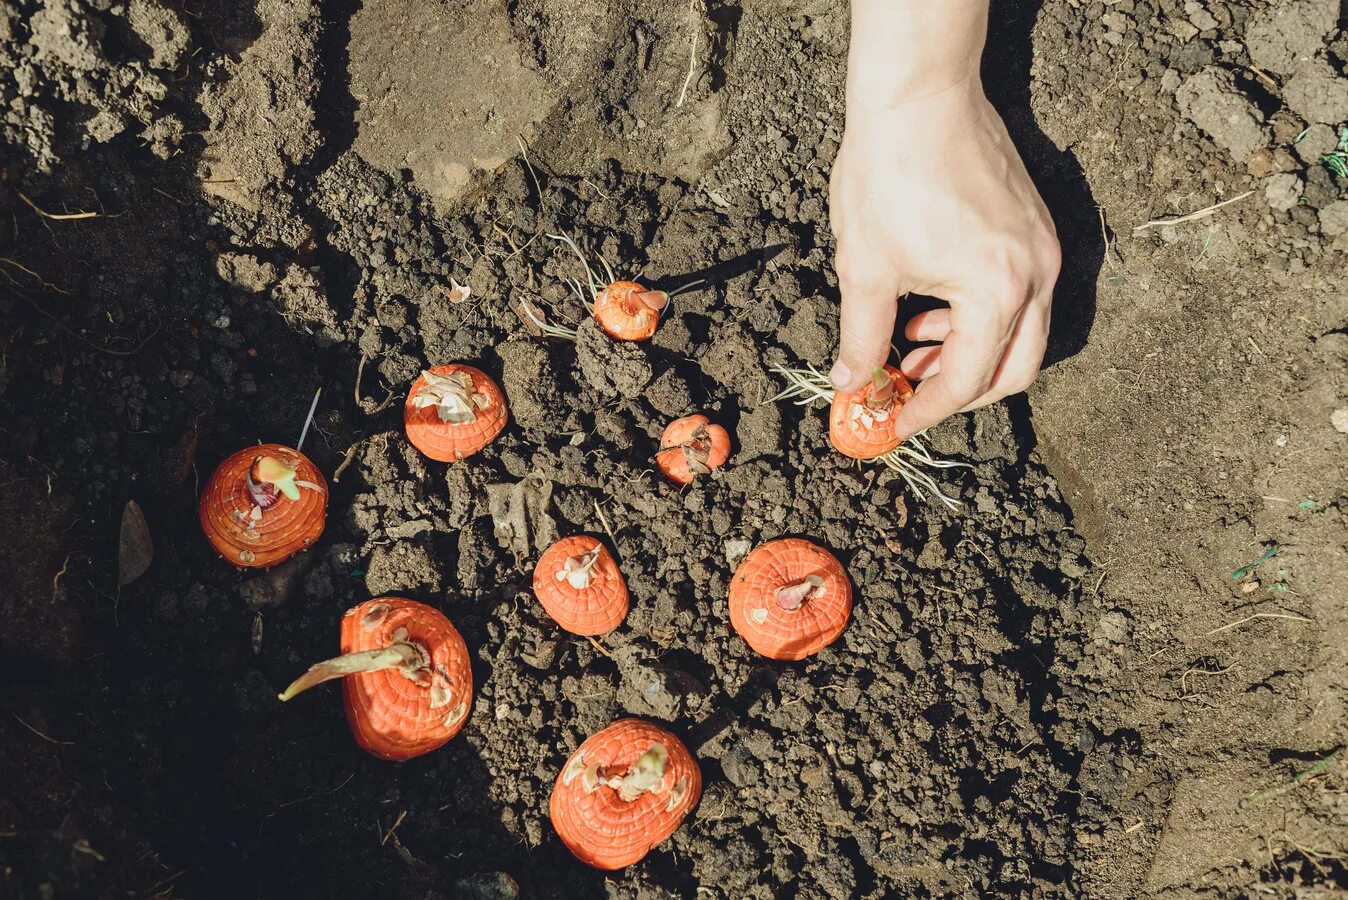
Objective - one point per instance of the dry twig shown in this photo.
(1265, 78)
(56, 579)
(76, 335)
(1194, 670)
(607, 530)
(1193, 216)
(56, 217)
(402, 815)
(22, 268)
(598, 646)
(692, 54)
(311, 796)
(360, 370)
(46, 737)
(346, 460)
(538, 188)
(1240, 622)
(1110, 250)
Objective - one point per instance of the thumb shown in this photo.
(865, 330)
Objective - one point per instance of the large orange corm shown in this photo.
(790, 599)
(622, 792)
(408, 680)
(263, 505)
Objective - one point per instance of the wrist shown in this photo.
(922, 121)
(909, 51)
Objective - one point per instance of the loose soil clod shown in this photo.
(135, 548)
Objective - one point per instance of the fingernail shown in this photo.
(840, 375)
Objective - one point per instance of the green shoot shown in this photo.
(1336, 160)
(274, 472)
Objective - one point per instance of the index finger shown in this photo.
(969, 358)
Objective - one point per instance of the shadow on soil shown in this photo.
(144, 749)
(1057, 174)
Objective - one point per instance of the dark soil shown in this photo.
(973, 732)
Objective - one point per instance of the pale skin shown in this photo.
(929, 196)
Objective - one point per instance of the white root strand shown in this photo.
(809, 385)
(548, 329)
(592, 280)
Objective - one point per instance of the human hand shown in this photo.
(928, 195)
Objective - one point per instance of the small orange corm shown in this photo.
(262, 505)
(861, 422)
(581, 587)
(453, 411)
(408, 680)
(625, 789)
(625, 310)
(692, 446)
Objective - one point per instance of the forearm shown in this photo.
(904, 50)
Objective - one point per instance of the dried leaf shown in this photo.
(375, 616)
(576, 571)
(439, 695)
(182, 458)
(520, 516)
(696, 459)
(531, 318)
(451, 395)
(136, 548)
